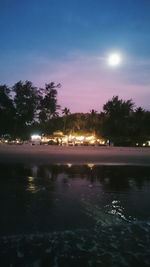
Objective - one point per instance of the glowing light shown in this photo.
(31, 187)
(35, 137)
(69, 139)
(65, 139)
(114, 59)
(30, 179)
(45, 139)
(90, 165)
(92, 142)
(80, 138)
(90, 137)
(69, 165)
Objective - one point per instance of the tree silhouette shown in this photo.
(26, 101)
(26, 105)
(48, 103)
(66, 112)
(7, 111)
(116, 122)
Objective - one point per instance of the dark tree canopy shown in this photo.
(116, 120)
(26, 101)
(49, 104)
(118, 107)
(33, 109)
(7, 110)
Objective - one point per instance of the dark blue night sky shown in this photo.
(68, 41)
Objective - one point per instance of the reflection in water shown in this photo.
(90, 208)
(107, 194)
(30, 179)
(34, 170)
(112, 214)
(32, 187)
(116, 209)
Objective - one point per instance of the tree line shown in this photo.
(26, 109)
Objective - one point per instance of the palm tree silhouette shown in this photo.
(66, 112)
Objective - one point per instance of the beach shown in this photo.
(102, 155)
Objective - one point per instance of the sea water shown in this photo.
(68, 215)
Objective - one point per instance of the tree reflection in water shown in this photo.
(84, 215)
(49, 197)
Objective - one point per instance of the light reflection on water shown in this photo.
(71, 197)
(87, 200)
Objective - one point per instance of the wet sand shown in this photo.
(40, 154)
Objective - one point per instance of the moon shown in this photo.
(114, 60)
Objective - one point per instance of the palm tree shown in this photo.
(93, 112)
(66, 112)
(139, 110)
(49, 104)
(93, 120)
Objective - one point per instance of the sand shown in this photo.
(41, 154)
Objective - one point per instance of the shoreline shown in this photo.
(99, 155)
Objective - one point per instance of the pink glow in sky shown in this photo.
(88, 82)
(68, 41)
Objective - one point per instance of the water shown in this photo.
(66, 215)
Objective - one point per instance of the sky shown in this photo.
(69, 41)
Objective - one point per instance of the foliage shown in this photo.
(35, 110)
(26, 101)
(48, 102)
(7, 111)
(66, 111)
(116, 120)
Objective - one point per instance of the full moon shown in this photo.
(114, 60)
